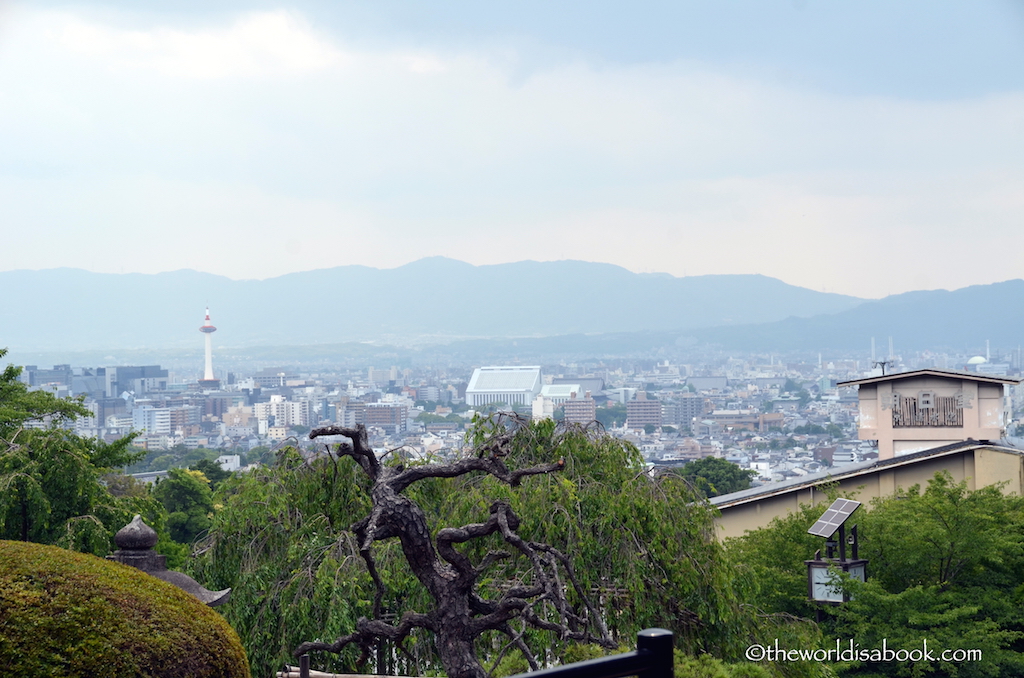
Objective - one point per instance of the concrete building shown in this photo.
(642, 412)
(152, 420)
(391, 417)
(137, 380)
(579, 410)
(513, 386)
(559, 393)
(914, 411)
(283, 412)
(682, 410)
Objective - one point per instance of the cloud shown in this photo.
(255, 45)
(283, 147)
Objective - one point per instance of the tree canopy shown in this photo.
(944, 562)
(50, 489)
(713, 476)
(644, 547)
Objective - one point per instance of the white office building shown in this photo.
(515, 386)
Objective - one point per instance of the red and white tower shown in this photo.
(208, 380)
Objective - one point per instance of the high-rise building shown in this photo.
(580, 410)
(391, 417)
(208, 380)
(641, 412)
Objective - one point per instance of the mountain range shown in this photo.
(438, 301)
(427, 300)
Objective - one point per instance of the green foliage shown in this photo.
(50, 489)
(75, 615)
(213, 472)
(614, 414)
(809, 429)
(945, 563)
(945, 536)
(706, 666)
(177, 456)
(19, 406)
(186, 496)
(714, 476)
(281, 543)
(645, 546)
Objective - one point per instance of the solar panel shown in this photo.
(835, 516)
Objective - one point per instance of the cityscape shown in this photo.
(779, 420)
(403, 339)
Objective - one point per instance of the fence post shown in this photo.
(304, 666)
(659, 643)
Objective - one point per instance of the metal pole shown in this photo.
(658, 642)
(304, 666)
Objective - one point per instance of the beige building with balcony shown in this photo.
(913, 411)
(924, 422)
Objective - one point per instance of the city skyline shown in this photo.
(787, 139)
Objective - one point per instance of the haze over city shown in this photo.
(858, 150)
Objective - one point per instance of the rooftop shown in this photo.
(850, 471)
(973, 376)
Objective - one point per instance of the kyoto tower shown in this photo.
(208, 380)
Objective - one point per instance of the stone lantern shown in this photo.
(135, 542)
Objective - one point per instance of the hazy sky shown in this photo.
(866, 148)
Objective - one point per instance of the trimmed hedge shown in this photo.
(76, 615)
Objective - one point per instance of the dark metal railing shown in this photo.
(651, 659)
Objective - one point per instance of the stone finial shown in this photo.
(136, 536)
(135, 542)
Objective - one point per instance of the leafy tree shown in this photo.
(612, 415)
(714, 476)
(945, 563)
(212, 472)
(460, 614)
(187, 497)
(646, 546)
(50, 489)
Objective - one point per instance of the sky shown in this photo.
(865, 148)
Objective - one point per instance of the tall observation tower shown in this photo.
(208, 380)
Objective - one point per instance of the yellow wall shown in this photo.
(980, 466)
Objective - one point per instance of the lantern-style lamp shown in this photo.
(821, 586)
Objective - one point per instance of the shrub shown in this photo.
(73, 614)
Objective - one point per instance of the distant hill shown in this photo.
(961, 319)
(427, 301)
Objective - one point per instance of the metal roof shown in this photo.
(973, 376)
(501, 379)
(850, 471)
